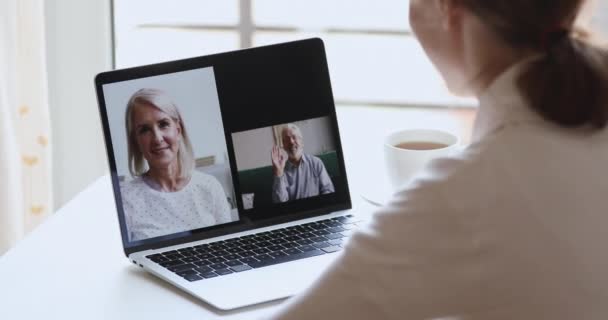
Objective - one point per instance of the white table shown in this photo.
(73, 266)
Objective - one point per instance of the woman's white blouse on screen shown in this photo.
(151, 213)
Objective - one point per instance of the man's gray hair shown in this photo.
(292, 127)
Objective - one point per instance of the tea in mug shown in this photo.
(421, 145)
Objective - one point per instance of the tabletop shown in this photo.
(73, 265)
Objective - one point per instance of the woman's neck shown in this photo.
(487, 56)
(166, 179)
(491, 64)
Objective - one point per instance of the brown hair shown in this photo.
(568, 85)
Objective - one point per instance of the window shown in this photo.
(372, 54)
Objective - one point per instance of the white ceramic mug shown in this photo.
(402, 164)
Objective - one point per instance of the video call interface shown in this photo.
(194, 151)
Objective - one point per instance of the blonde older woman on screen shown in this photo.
(515, 226)
(167, 195)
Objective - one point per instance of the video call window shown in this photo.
(170, 154)
(286, 162)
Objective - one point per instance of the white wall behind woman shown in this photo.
(79, 45)
(252, 148)
(317, 134)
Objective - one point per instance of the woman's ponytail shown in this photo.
(569, 85)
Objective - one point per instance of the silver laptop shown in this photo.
(228, 171)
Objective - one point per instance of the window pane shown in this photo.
(600, 19)
(144, 46)
(144, 32)
(321, 14)
(377, 69)
(136, 12)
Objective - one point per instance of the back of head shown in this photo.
(569, 84)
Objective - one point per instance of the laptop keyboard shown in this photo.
(258, 250)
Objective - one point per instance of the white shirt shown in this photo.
(515, 227)
(151, 213)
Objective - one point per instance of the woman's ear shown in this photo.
(179, 126)
(451, 14)
(584, 19)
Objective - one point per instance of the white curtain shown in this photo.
(25, 150)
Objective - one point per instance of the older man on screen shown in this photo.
(297, 175)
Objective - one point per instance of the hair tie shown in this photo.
(552, 36)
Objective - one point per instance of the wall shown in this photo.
(252, 148)
(317, 134)
(78, 47)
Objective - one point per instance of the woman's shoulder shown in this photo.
(481, 173)
(455, 179)
(200, 178)
(133, 191)
(131, 185)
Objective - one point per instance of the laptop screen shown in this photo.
(217, 144)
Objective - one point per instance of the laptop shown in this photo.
(228, 171)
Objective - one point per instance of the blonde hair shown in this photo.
(159, 100)
(568, 85)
